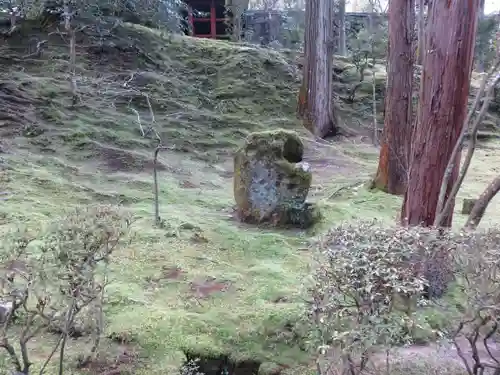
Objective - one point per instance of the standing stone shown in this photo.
(468, 205)
(5, 310)
(270, 181)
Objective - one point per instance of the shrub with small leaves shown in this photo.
(476, 334)
(366, 287)
(190, 368)
(52, 279)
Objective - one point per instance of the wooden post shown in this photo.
(191, 21)
(468, 205)
(213, 21)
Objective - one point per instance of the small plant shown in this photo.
(190, 368)
(364, 293)
(370, 280)
(51, 280)
(477, 331)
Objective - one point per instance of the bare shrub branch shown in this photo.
(156, 152)
(485, 94)
(481, 204)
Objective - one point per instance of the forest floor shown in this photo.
(204, 282)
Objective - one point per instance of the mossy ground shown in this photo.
(203, 281)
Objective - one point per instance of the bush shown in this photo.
(369, 282)
(51, 280)
(476, 333)
(363, 292)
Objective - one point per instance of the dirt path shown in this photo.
(335, 165)
(433, 358)
(328, 160)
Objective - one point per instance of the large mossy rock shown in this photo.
(270, 182)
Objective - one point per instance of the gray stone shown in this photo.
(271, 182)
(5, 310)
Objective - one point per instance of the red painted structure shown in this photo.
(212, 23)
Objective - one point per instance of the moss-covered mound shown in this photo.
(204, 95)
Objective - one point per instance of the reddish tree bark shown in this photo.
(394, 154)
(444, 92)
(479, 208)
(315, 95)
(421, 31)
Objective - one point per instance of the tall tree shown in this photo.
(421, 31)
(342, 47)
(315, 95)
(481, 42)
(393, 162)
(444, 92)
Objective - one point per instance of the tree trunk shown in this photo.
(450, 39)
(341, 24)
(479, 208)
(315, 95)
(481, 57)
(421, 32)
(394, 154)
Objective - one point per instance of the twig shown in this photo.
(4, 343)
(138, 121)
(54, 350)
(151, 128)
(458, 146)
(345, 187)
(98, 329)
(12, 354)
(481, 204)
(151, 112)
(132, 76)
(38, 51)
(23, 340)
(158, 148)
(462, 355)
(155, 183)
(65, 334)
(493, 330)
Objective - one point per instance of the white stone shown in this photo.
(304, 166)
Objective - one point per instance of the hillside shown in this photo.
(203, 283)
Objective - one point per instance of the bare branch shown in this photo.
(481, 204)
(442, 212)
(138, 121)
(54, 350)
(155, 183)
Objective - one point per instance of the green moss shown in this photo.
(279, 141)
(295, 173)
